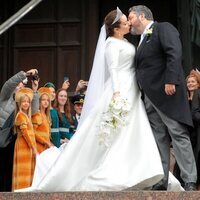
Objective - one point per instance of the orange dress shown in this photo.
(42, 130)
(24, 159)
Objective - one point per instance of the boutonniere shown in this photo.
(149, 31)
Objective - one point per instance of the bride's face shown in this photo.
(124, 25)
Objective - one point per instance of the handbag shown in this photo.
(6, 132)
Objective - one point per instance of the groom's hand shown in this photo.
(170, 89)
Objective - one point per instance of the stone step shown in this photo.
(132, 195)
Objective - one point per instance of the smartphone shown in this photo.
(86, 83)
(66, 78)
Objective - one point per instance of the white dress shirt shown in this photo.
(144, 32)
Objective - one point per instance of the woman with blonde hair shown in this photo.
(42, 120)
(25, 145)
(55, 134)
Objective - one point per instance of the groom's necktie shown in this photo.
(141, 38)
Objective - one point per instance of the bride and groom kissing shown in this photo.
(138, 154)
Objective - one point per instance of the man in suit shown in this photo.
(160, 76)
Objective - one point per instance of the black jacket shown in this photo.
(158, 62)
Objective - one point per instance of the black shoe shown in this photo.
(158, 187)
(191, 186)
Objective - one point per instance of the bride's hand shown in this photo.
(116, 94)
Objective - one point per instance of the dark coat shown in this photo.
(75, 120)
(195, 109)
(158, 62)
(195, 133)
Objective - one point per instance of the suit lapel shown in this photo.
(142, 44)
(139, 49)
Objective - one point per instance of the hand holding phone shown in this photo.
(66, 83)
(66, 78)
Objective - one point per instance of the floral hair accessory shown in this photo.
(113, 119)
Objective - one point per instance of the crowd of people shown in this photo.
(39, 118)
(162, 110)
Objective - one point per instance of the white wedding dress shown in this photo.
(132, 160)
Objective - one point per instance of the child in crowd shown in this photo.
(25, 146)
(55, 134)
(42, 120)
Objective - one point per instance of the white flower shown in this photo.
(107, 117)
(113, 119)
(149, 31)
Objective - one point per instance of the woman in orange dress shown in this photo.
(42, 121)
(25, 145)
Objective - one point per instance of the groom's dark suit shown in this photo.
(158, 62)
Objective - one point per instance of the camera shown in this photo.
(34, 77)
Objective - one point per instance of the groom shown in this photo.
(160, 77)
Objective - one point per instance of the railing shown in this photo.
(17, 16)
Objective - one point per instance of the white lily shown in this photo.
(113, 119)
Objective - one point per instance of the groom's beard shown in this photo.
(133, 31)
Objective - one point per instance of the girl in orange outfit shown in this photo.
(42, 122)
(25, 145)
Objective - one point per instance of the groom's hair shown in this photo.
(142, 9)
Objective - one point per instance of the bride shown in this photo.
(130, 158)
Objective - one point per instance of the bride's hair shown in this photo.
(108, 21)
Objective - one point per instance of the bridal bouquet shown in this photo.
(113, 119)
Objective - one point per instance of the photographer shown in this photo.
(7, 108)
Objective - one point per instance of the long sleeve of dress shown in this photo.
(39, 128)
(22, 123)
(112, 59)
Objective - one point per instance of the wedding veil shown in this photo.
(97, 78)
